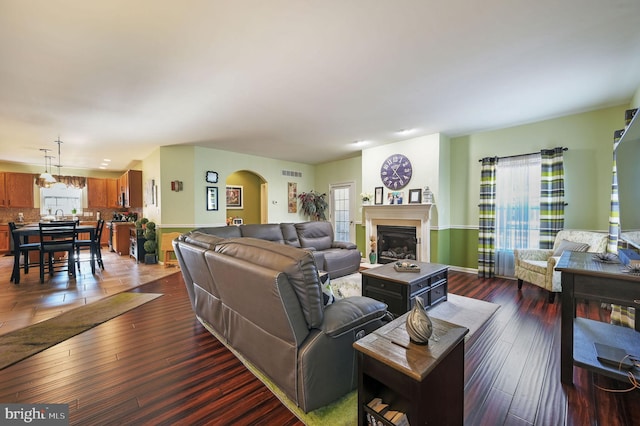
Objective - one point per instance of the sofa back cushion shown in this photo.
(269, 232)
(298, 265)
(201, 239)
(290, 234)
(222, 231)
(318, 235)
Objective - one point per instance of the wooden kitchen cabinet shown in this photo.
(17, 190)
(96, 193)
(121, 233)
(130, 185)
(4, 238)
(112, 193)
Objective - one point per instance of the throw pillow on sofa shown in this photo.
(327, 291)
(571, 246)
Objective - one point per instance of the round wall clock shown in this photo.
(212, 177)
(396, 171)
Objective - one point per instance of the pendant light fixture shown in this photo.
(59, 142)
(60, 182)
(47, 176)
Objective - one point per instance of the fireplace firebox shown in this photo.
(396, 243)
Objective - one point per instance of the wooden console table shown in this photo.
(584, 278)
(424, 382)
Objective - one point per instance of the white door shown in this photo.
(342, 210)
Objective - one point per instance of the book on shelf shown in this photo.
(396, 417)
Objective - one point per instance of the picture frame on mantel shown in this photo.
(415, 196)
(378, 198)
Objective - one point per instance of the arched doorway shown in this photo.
(246, 198)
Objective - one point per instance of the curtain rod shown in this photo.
(521, 155)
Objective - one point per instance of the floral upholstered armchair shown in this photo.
(536, 266)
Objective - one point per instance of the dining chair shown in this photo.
(57, 237)
(93, 245)
(21, 248)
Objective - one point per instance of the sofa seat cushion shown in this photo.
(347, 314)
(341, 262)
(539, 266)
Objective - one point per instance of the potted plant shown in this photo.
(150, 245)
(141, 225)
(314, 204)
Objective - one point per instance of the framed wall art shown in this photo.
(212, 198)
(234, 197)
(292, 197)
(377, 197)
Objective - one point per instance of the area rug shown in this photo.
(460, 310)
(20, 344)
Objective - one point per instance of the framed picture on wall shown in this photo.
(234, 197)
(377, 197)
(212, 198)
(292, 197)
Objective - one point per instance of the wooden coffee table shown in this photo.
(397, 289)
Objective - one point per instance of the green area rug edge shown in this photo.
(25, 342)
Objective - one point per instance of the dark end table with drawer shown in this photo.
(397, 289)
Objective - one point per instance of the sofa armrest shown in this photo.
(343, 245)
(350, 313)
(532, 254)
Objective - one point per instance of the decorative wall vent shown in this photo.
(291, 173)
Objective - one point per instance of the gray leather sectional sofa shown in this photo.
(338, 258)
(264, 300)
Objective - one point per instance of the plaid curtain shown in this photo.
(614, 214)
(487, 218)
(551, 196)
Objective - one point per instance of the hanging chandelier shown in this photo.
(46, 175)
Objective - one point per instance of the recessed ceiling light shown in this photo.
(107, 160)
(360, 143)
(405, 132)
(104, 164)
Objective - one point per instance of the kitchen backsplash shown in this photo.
(33, 215)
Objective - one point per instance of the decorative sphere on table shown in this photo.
(419, 326)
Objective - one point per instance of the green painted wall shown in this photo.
(589, 137)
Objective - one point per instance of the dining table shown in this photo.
(33, 229)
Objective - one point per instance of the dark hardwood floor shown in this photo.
(157, 365)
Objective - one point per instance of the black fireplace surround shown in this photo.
(396, 243)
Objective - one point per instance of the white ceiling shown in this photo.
(298, 80)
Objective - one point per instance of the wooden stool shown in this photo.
(167, 247)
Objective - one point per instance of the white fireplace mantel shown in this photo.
(417, 215)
